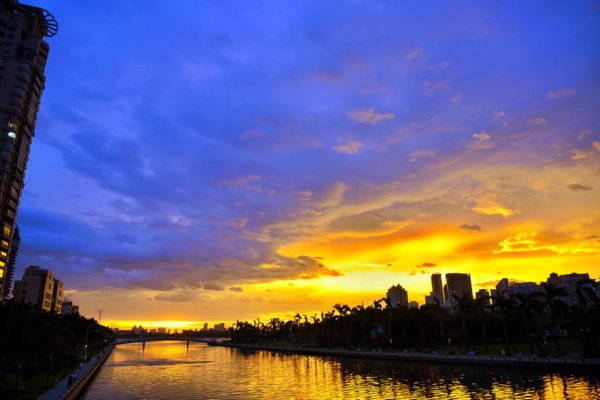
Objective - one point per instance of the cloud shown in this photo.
(416, 155)
(482, 136)
(577, 154)
(239, 181)
(483, 141)
(182, 296)
(560, 94)
(236, 289)
(212, 286)
(596, 145)
(539, 121)
(351, 147)
(369, 116)
(253, 134)
(499, 117)
(488, 206)
(334, 197)
(585, 133)
(426, 265)
(370, 223)
(433, 87)
(472, 228)
(311, 268)
(576, 187)
(413, 54)
(491, 284)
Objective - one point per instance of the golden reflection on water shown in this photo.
(171, 370)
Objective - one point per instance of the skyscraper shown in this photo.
(459, 285)
(437, 289)
(397, 296)
(23, 54)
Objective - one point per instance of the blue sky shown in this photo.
(194, 150)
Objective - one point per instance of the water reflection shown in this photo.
(170, 370)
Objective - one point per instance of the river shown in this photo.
(170, 370)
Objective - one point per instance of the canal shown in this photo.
(170, 370)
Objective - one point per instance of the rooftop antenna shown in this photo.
(100, 315)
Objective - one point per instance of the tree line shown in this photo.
(536, 323)
(37, 342)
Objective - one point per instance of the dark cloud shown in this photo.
(486, 284)
(576, 187)
(426, 265)
(178, 297)
(472, 228)
(212, 286)
(236, 289)
(369, 221)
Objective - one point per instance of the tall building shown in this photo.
(57, 296)
(437, 289)
(37, 287)
(568, 283)
(458, 285)
(503, 288)
(397, 296)
(23, 54)
(12, 261)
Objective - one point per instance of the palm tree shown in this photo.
(527, 307)
(555, 305)
(481, 304)
(503, 304)
(463, 306)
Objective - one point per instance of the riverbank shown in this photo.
(529, 362)
(81, 378)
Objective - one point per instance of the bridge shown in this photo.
(143, 340)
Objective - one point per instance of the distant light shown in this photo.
(12, 134)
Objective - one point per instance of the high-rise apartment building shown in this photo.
(459, 286)
(437, 289)
(23, 54)
(397, 296)
(9, 273)
(39, 288)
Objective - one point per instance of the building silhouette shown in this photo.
(69, 308)
(23, 55)
(503, 288)
(458, 286)
(15, 243)
(437, 289)
(484, 296)
(397, 296)
(39, 288)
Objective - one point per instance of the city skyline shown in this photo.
(274, 159)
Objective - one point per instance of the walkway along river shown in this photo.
(171, 369)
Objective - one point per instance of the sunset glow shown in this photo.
(282, 157)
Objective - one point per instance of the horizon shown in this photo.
(281, 158)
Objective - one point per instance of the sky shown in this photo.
(207, 161)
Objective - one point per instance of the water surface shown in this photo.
(170, 370)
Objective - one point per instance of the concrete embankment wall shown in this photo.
(77, 388)
(475, 360)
